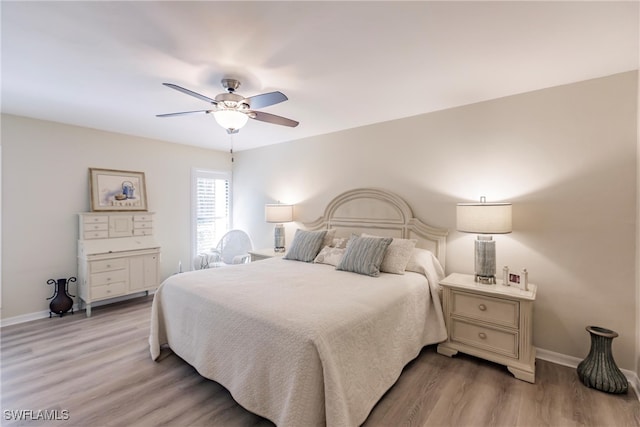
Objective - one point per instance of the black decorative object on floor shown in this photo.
(62, 302)
(599, 370)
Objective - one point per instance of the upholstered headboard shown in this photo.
(383, 213)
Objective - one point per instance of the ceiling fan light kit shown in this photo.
(232, 111)
(231, 120)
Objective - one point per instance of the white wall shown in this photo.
(565, 157)
(45, 183)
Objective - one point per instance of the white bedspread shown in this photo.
(300, 344)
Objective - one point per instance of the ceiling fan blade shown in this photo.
(265, 99)
(272, 118)
(182, 113)
(192, 93)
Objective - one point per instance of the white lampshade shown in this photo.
(230, 119)
(278, 213)
(484, 218)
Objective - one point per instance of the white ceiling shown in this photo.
(342, 64)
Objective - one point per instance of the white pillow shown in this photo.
(329, 255)
(328, 238)
(340, 242)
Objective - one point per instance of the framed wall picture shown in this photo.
(116, 190)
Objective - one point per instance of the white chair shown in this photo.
(233, 248)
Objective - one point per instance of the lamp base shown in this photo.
(485, 260)
(278, 239)
(488, 280)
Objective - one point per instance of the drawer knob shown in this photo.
(482, 335)
(482, 307)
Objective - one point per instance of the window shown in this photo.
(211, 208)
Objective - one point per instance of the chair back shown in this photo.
(234, 243)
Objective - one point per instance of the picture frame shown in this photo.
(117, 190)
(514, 279)
(517, 280)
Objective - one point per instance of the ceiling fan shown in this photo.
(232, 111)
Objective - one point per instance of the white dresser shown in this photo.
(117, 255)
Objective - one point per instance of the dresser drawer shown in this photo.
(108, 265)
(142, 218)
(101, 234)
(488, 309)
(494, 340)
(109, 290)
(95, 226)
(99, 279)
(142, 224)
(143, 232)
(95, 219)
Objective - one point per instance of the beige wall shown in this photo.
(45, 184)
(566, 158)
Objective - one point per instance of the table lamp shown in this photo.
(484, 219)
(279, 214)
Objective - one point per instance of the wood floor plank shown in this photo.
(99, 369)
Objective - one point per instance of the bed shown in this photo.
(303, 343)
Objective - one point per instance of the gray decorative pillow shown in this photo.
(329, 255)
(364, 255)
(305, 245)
(397, 255)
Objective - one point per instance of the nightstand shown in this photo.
(494, 322)
(260, 254)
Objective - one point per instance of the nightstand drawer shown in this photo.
(494, 340)
(488, 309)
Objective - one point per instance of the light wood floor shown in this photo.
(99, 370)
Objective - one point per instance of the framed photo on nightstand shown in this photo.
(517, 280)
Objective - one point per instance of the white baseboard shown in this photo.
(44, 314)
(572, 362)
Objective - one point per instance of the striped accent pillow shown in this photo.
(364, 255)
(305, 245)
(397, 255)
